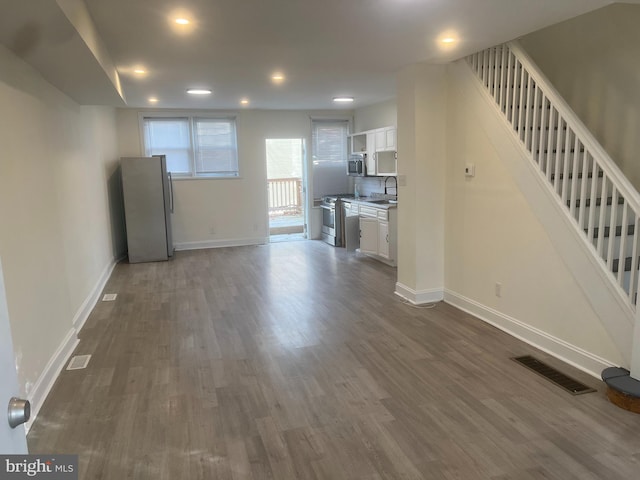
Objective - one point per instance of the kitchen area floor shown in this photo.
(297, 361)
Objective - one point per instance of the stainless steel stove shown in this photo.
(332, 218)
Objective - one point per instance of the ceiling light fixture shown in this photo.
(152, 100)
(244, 101)
(277, 77)
(140, 71)
(343, 99)
(182, 21)
(199, 91)
(448, 40)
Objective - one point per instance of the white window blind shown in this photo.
(215, 145)
(170, 137)
(193, 145)
(329, 141)
(329, 152)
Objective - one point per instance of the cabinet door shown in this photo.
(369, 235)
(390, 138)
(371, 142)
(372, 164)
(381, 140)
(383, 239)
(351, 233)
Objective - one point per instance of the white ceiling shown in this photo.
(324, 47)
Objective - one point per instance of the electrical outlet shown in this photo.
(470, 170)
(498, 289)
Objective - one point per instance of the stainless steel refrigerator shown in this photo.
(148, 205)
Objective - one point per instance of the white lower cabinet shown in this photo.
(383, 239)
(378, 233)
(369, 235)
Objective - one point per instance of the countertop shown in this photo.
(376, 202)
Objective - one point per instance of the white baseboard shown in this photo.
(419, 297)
(87, 306)
(575, 356)
(47, 378)
(238, 242)
(58, 360)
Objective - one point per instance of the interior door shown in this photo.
(12, 440)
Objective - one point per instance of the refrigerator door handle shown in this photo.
(170, 190)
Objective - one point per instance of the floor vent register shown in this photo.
(79, 362)
(571, 385)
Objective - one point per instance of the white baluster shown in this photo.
(575, 173)
(509, 107)
(503, 78)
(543, 156)
(522, 105)
(633, 279)
(613, 216)
(551, 157)
(584, 181)
(603, 216)
(566, 162)
(623, 244)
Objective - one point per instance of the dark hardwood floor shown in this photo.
(297, 361)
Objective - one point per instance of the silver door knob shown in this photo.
(19, 411)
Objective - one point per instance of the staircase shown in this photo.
(596, 197)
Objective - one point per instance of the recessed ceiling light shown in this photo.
(199, 91)
(244, 101)
(152, 100)
(343, 99)
(277, 77)
(140, 71)
(182, 21)
(448, 40)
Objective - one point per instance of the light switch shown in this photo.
(470, 170)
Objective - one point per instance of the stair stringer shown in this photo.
(588, 270)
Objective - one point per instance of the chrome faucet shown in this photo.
(385, 185)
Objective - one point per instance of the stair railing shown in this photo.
(603, 204)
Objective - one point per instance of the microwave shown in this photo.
(356, 164)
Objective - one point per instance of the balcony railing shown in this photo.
(285, 196)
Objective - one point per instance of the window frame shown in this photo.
(192, 116)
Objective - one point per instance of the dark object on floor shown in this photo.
(623, 391)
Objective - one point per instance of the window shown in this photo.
(194, 146)
(329, 151)
(329, 141)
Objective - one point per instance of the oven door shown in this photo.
(329, 220)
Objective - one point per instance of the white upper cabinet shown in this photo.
(390, 134)
(385, 139)
(372, 142)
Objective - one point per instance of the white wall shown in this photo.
(219, 212)
(592, 60)
(493, 235)
(59, 234)
(379, 115)
(422, 159)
